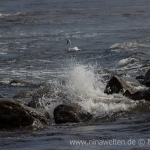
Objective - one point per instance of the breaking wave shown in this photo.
(86, 88)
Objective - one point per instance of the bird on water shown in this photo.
(72, 48)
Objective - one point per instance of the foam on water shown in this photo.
(133, 64)
(131, 45)
(127, 61)
(4, 15)
(86, 88)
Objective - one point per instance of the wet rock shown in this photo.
(24, 83)
(21, 102)
(118, 85)
(42, 92)
(49, 91)
(140, 95)
(70, 113)
(147, 78)
(24, 94)
(14, 115)
(1, 96)
(140, 78)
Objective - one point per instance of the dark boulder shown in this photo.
(24, 94)
(140, 95)
(14, 115)
(1, 96)
(118, 85)
(147, 78)
(140, 78)
(70, 113)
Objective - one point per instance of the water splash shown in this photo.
(84, 84)
(86, 88)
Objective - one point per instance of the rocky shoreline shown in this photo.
(16, 114)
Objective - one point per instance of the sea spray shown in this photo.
(85, 87)
(84, 83)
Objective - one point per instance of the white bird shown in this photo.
(73, 48)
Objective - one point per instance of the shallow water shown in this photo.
(113, 38)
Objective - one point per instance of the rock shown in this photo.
(1, 96)
(24, 83)
(140, 78)
(49, 91)
(118, 85)
(147, 78)
(70, 113)
(140, 95)
(42, 92)
(24, 94)
(14, 115)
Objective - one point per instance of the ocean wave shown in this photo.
(131, 45)
(127, 61)
(137, 63)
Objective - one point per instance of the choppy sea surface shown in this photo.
(114, 38)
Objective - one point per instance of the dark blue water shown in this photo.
(113, 37)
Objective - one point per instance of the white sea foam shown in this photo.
(125, 45)
(4, 15)
(127, 61)
(17, 14)
(92, 35)
(131, 45)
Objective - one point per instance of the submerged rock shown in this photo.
(24, 83)
(14, 115)
(147, 78)
(24, 94)
(42, 92)
(118, 85)
(140, 78)
(1, 96)
(140, 95)
(49, 91)
(70, 113)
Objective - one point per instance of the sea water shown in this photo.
(114, 39)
